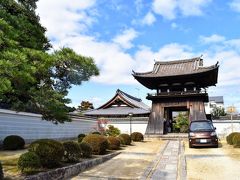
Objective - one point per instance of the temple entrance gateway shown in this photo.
(170, 118)
(179, 85)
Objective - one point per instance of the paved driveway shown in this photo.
(221, 163)
(130, 164)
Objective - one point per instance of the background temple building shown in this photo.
(121, 105)
(122, 109)
(180, 86)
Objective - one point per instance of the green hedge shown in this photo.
(28, 161)
(114, 143)
(98, 143)
(49, 151)
(1, 171)
(86, 150)
(72, 151)
(137, 136)
(80, 137)
(236, 140)
(13, 142)
(230, 137)
(126, 138)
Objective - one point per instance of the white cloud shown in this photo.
(125, 38)
(174, 25)
(63, 18)
(192, 7)
(171, 8)
(139, 5)
(115, 63)
(148, 19)
(235, 5)
(215, 38)
(165, 8)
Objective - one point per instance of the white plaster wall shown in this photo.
(31, 126)
(138, 124)
(224, 127)
(125, 128)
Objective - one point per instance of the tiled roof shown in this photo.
(176, 67)
(137, 102)
(131, 105)
(117, 111)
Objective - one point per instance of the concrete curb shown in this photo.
(73, 170)
(149, 170)
(182, 172)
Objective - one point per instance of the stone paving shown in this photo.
(130, 164)
(167, 165)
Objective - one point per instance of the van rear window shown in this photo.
(201, 126)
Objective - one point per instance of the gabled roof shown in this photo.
(121, 104)
(127, 99)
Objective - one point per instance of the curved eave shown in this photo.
(204, 78)
(111, 101)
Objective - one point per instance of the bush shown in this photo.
(184, 129)
(114, 143)
(1, 171)
(236, 140)
(72, 151)
(49, 151)
(13, 142)
(112, 131)
(28, 160)
(96, 132)
(98, 143)
(137, 136)
(122, 142)
(126, 138)
(86, 150)
(181, 124)
(230, 137)
(80, 137)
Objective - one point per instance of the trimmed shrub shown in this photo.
(49, 151)
(122, 142)
(137, 136)
(112, 131)
(28, 160)
(230, 137)
(72, 151)
(80, 137)
(96, 132)
(236, 140)
(86, 150)
(13, 142)
(1, 171)
(114, 143)
(98, 143)
(126, 138)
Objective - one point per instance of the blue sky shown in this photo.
(128, 35)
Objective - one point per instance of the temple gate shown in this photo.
(179, 85)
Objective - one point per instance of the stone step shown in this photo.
(170, 136)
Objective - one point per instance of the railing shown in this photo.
(177, 93)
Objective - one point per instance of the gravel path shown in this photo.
(130, 164)
(221, 163)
